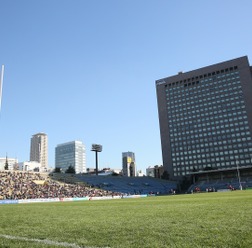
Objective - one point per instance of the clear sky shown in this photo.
(86, 69)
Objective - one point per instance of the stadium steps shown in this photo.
(131, 185)
(66, 178)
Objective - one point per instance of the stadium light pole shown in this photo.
(96, 148)
(238, 174)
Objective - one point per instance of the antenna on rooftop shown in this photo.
(1, 86)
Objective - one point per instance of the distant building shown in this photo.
(140, 173)
(118, 171)
(155, 171)
(104, 171)
(90, 170)
(158, 171)
(71, 154)
(12, 163)
(128, 164)
(150, 172)
(30, 166)
(205, 118)
(39, 150)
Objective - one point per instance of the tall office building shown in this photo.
(205, 118)
(71, 154)
(39, 149)
(129, 164)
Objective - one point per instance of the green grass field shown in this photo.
(198, 220)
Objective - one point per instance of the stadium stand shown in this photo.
(221, 179)
(16, 185)
(217, 185)
(130, 185)
(26, 185)
(66, 178)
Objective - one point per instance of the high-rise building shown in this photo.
(39, 149)
(205, 118)
(128, 164)
(71, 154)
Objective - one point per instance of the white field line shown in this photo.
(43, 241)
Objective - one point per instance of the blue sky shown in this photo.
(86, 69)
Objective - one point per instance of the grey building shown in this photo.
(39, 150)
(129, 164)
(205, 118)
(71, 154)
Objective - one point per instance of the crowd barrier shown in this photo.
(40, 200)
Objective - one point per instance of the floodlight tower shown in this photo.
(96, 148)
(1, 85)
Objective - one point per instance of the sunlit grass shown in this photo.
(199, 220)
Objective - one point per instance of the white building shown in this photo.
(140, 173)
(30, 166)
(12, 162)
(39, 149)
(71, 154)
(150, 171)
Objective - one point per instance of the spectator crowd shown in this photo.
(27, 185)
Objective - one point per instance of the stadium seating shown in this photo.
(15, 185)
(216, 185)
(130, 185)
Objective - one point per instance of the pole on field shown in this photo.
(238, 174)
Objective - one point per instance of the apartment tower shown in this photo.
(39, 149)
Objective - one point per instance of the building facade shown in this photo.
(128, 164)
(71, 154)
(39, 150)
(205, 118)
(150, 171)
(155, 171)
(12, 163)
(29, 166)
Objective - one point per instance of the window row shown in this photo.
(199, 128)
(230, 117)
(204, 164)
(214, 103)
(209, 120)
(201, 95)
(228, 72)
(197, 114)
(203, 109)
(202, 85)
(209, 144)
(209, 131)
(214, 155)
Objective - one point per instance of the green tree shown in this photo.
(70, 169)
(57, 170)
(165, 175)
(186, 183)
(6, 166)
